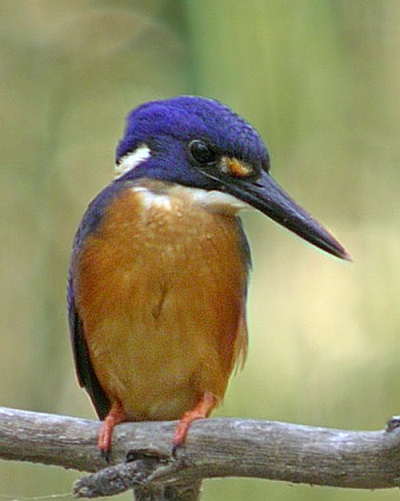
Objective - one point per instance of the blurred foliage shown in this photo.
(319, 79)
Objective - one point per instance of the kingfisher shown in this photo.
(160, 264)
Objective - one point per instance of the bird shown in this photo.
(160, 264)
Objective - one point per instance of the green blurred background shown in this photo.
(320, 81)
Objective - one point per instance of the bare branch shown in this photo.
(215, 448)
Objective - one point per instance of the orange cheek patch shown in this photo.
(238, 168)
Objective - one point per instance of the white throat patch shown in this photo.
(215, 199)
(196, 197)
(131, 160)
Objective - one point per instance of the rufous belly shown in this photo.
(161, 291)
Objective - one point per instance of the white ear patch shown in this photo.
(131, 160)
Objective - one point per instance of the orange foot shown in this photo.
(115, 415)
(202, 410)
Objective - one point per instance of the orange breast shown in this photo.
(161, 294)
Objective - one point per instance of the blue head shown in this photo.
(172, 130)
(201, 143)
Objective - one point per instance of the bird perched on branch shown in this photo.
(158, 279)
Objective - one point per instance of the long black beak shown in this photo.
(267, 196)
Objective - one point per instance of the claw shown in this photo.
(115, 415)
(202, 410)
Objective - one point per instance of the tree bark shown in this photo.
(141, 456)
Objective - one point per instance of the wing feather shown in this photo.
(83, 365)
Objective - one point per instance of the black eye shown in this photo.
(201, 152)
